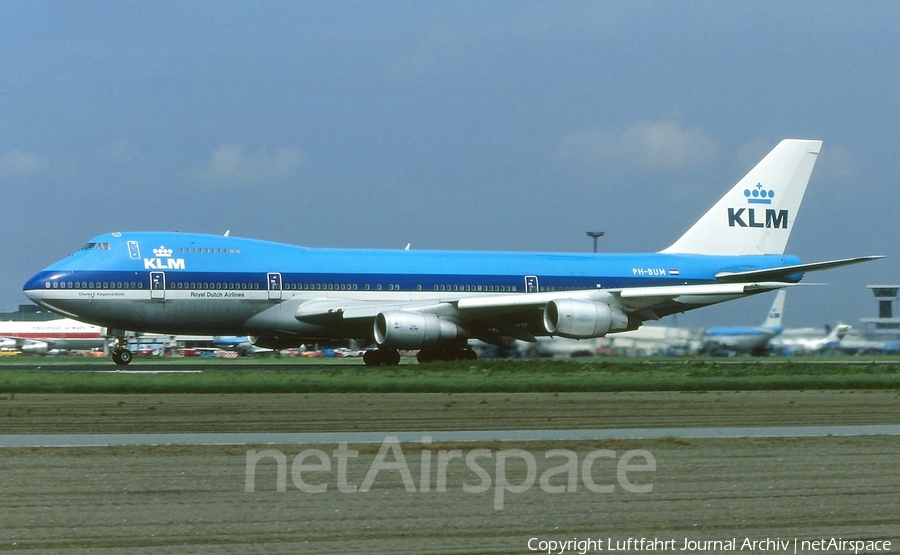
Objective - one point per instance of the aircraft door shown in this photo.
(274, 281)
(157, 285)
(531, 284)
(134, 250)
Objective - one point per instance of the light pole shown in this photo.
(595, 235)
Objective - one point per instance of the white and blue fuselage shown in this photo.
(209, 284)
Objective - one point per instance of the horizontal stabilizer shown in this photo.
(783, 273)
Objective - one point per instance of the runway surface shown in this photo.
(154, 365)
(168, 473)
(114, 440)
(178, 499)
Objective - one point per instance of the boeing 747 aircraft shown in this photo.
(39, 338)
(434, 301)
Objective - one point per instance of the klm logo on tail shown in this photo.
(770, 219)
(773, 218)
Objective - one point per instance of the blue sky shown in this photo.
(448, 125)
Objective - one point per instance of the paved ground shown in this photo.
(193, 499)
(160, 413)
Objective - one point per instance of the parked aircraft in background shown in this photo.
(797, 344)
(433, 301)
(239, 344)
(745, 339)
(39, 338)
(854, 345)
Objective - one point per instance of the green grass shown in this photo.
(336, 376)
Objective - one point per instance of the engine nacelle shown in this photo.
(414, 330)
(577, 319)
(35, 348)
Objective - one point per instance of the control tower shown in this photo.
(886, 323)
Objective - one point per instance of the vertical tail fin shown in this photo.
(776, 312)
(837, 333)
(757, 215)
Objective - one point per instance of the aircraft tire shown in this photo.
(449, 354)
(377, 357)
(372, 357)
(122, 357)
(391, 357)
(126, 357)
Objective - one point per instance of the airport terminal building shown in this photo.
(29, 313)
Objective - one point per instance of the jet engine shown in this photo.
(35, 348)
(414, 330)
(577, 319)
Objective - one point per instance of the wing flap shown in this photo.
(642, 298)
(511, 300)
(673, 291)
(330, 310)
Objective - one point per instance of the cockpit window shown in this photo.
(101, 246)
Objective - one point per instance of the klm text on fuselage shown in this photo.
(164, 264)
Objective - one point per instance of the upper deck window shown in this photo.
(207, 250)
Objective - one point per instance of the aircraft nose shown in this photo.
(34, 288)
(33, 296)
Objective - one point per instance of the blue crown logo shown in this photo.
(162, 251)
(759, 195)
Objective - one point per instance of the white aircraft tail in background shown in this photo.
(749, 339)
(807, 344)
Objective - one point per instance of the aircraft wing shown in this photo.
(28, 345)
(629, 299)
(454, 308)
(8, 342)
(508, 312)
(18, 342)
(520, 314)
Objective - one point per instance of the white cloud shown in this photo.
(645, 146)
(18, 163)
(238, 164)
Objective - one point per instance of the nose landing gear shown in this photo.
(120, 353)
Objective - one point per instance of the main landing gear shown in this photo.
(391, 357)
(431, 354)
(377, 357)
(120, 353)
